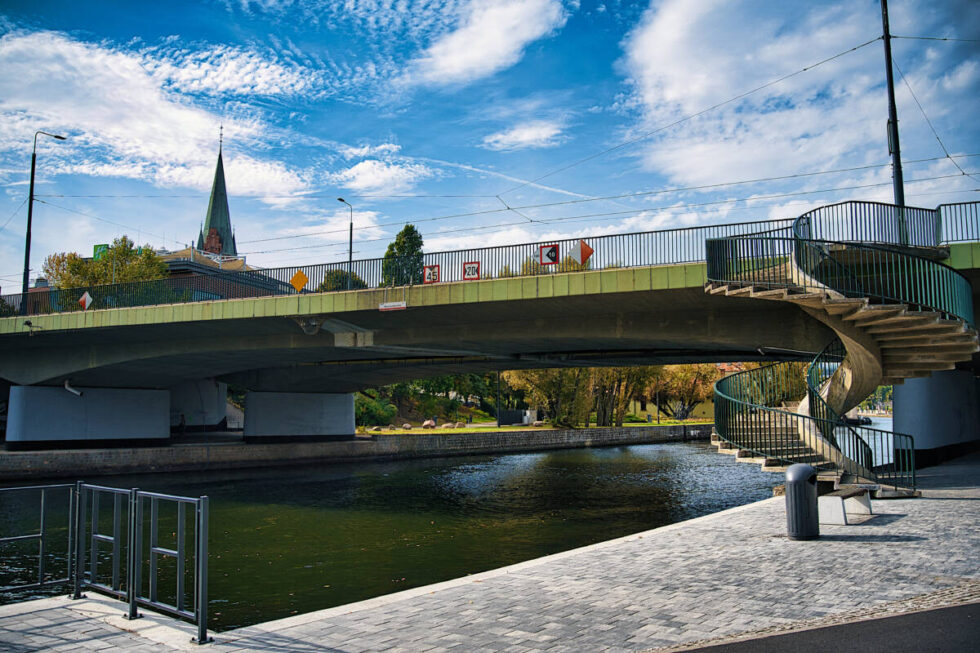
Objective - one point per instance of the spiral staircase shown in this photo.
(871, 273)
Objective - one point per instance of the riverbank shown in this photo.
(732, 574)
(78, 463)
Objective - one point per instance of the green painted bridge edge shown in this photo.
(568, 284)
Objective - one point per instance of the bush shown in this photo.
(369, 411)
(337, 280)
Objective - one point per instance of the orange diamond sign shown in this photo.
(299, 281)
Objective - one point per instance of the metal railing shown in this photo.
(45, 557)
(664, 247)
(872, 222)
(115, 550)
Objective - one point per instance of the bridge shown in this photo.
(145, 354)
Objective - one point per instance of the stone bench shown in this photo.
(832, 508)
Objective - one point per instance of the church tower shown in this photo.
(216, 236)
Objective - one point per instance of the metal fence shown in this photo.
(852, 222)
(22, 576)
(664, 247)
(115, 549)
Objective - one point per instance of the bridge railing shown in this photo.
(663, 247)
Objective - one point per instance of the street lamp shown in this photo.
(350, 242)
(30, 206)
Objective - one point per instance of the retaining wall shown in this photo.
(84, 463)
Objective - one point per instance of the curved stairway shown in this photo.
(869, 272)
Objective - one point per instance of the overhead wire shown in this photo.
(936, 38)
(19, 207)
(689, 117)
(929, 122)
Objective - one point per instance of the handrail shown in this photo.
(44, 556)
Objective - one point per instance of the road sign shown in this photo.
(98, 251)
(85, 301)
(548, 254)
(299, 281)
(581, 252)
(430, 274)
(471, 271)
(393, 306)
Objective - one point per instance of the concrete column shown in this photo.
(202, 404)
(284, 416)
(941, 412)
(41, 416)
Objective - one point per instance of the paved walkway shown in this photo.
(699, 581)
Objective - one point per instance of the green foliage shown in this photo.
(681, 388)
(564, 394)
(402, 264)
(614, 388)
(122, 262)
(373, 411)
(6, 310)
(337, 280)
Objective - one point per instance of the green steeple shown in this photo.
(216, 236)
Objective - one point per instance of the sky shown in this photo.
(482, 122)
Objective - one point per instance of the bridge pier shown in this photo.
(199, 405)
(286, 416)
(44, 416)
(942, 413)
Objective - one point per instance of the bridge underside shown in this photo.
(347, 351)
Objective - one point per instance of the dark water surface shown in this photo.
(292, 540)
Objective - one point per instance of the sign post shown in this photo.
(548, 254)
(430, 274)
(471, 271)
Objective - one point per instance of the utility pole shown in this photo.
(893, 146)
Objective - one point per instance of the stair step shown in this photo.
(911, 329)
(875, 313)
(843, 306)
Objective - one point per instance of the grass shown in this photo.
(491, 429)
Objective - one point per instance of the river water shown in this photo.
(290, 540)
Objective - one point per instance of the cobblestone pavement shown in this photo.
(724, 575)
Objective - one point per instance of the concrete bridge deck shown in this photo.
(725, 575)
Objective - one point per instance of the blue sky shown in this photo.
(465, 117)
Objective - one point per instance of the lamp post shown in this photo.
(350, 242)
(30, 212)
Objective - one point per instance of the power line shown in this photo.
(928, 122)
(936, 38)
(592, 216)
(19, 207)
(118, 224)
(690, 116)
(594, 199)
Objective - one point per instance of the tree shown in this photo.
(337, 280)
(6, 310)
(122, 262)
(402, 264)
(682, 387)
(564, 394)
(614, 388)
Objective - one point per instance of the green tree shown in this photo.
(373, 411)
(122, 262)
(402, 264)
(614, 389)
(682, 387)
(337, 280)
(564, 394)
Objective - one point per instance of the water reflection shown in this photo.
(288, 540)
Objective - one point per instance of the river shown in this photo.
(290, 540)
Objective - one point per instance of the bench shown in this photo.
(832, 508)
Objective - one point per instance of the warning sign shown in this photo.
(430, 274)
(471, 271)
(548, 254)
(299, 281)
(85, 301)
(581, 252)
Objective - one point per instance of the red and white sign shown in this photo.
(85, 301)
(430, 274)
(548, 254)
(471, 271)
(393, 306)
(581, 252)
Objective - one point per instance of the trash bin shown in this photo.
(802, 521)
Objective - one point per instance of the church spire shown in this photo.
(216, 236)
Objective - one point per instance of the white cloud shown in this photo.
(533, 134)
(238, 71)
(684, 57)
(491, 37)
(363, 151)
(120, 119)
(374, 176)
